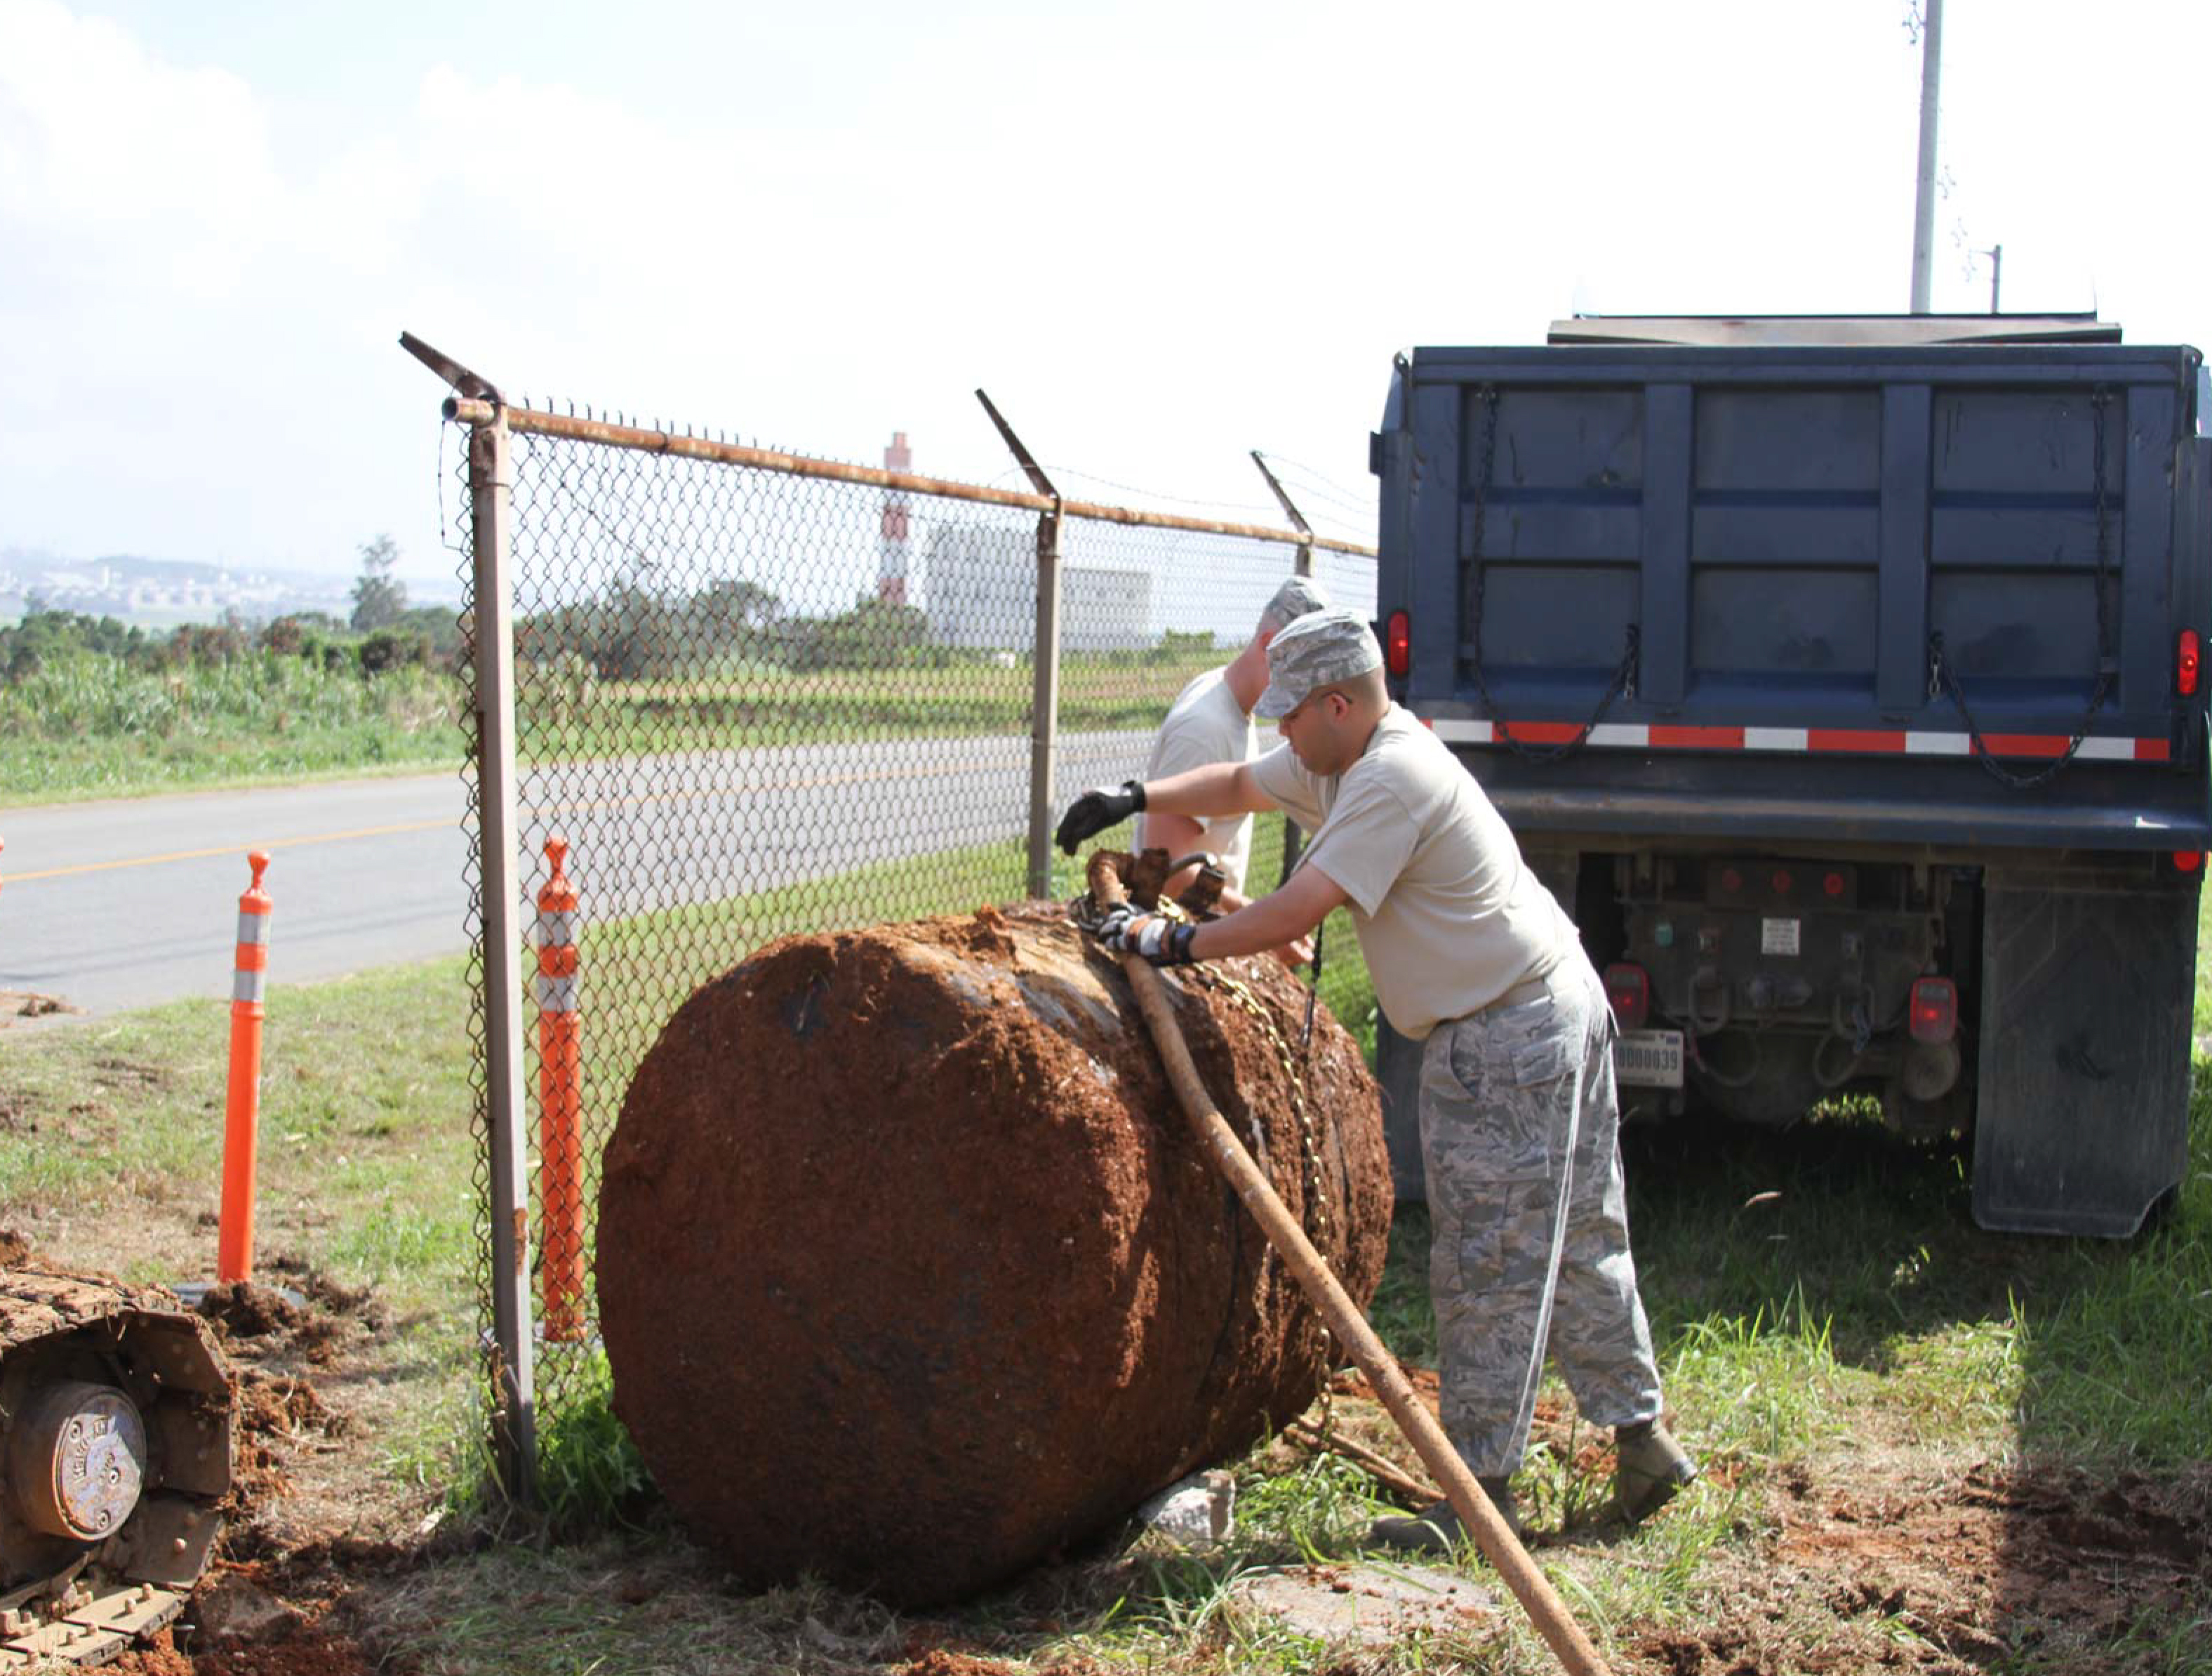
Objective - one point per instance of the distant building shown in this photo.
(980, 591)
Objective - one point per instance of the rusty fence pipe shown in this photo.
(1044, 658)
(536, 421)
(1573, 1649)
(491, 491)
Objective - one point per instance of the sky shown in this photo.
(1160, 234)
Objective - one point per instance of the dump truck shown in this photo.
(1842, 678)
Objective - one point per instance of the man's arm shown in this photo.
(1219, 788)
(1279, 917)
(1178, 835)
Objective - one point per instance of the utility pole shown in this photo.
(1923, 210)
(1996, 273)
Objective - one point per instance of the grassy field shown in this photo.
(772, 706)
(1898, 1415)
(90, 727)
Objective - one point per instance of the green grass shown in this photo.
(88, 726)
(1819, 1298)
(771, 706)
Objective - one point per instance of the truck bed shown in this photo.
(1762, 555)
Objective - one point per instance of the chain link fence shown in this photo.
(753, 695)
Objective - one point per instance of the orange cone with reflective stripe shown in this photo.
(242, 1109)
(560, 1105)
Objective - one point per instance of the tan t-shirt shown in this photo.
(1448, 917)
(1206, 725)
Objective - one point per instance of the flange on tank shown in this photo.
(115, 1452)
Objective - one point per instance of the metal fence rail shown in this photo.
(752, 693)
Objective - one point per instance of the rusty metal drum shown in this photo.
(911, 1274)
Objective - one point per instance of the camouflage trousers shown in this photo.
(1520, 1138)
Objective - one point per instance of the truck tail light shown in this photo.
(2186, 663)
(1398, 644)
(1935, 1012)
(1628, 987)
(2188, 861)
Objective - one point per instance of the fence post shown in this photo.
(1303, 562)
(491, 485)
(560, 1104)
(1293, 838)
(1044, 694)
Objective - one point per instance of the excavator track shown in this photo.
(115, 1417)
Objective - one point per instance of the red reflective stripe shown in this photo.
(2025, 745)
(557, 960)
(1696, 738)
(1541, 732)
(2154, 750)
(1853, 738)
(253, 956)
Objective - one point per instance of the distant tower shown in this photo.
(891, 565)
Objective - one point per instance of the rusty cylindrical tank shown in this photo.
(911, 1273)
(115, 1454)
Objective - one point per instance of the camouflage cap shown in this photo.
(1316, 651)
(1301, 596)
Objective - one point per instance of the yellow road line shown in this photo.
(8, 878)
(919, 771)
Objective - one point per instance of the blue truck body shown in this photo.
(1817, 677)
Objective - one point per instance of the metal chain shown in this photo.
(1315, 1219)
(1623, 684)
(1312, 994)
(1942, 678)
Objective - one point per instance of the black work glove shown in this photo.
(1100, 807)
(1127, 929)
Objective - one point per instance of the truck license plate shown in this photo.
(1648, 1059)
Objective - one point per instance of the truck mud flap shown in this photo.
(2089, 991)
(1398, 1069)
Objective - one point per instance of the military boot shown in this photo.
(1653, 1468)
(1436, 1529)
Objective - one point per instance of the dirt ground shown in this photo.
(313, 1513)
(1978, 1561)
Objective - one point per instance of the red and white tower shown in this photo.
(891, 562)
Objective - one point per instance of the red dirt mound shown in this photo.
(911, 1272)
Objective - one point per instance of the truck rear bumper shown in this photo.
(1923, 806)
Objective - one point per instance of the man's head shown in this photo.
(1300, 596)
(1325, 688)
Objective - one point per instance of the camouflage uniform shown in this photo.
(1519, 1127)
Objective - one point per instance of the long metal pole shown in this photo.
(1924, 209)
(473, 411)
(491, 486)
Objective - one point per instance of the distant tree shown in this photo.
(378, 600)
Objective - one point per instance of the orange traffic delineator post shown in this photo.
(560, 1104)
(241, 1118)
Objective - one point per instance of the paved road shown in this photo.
(121, 904)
